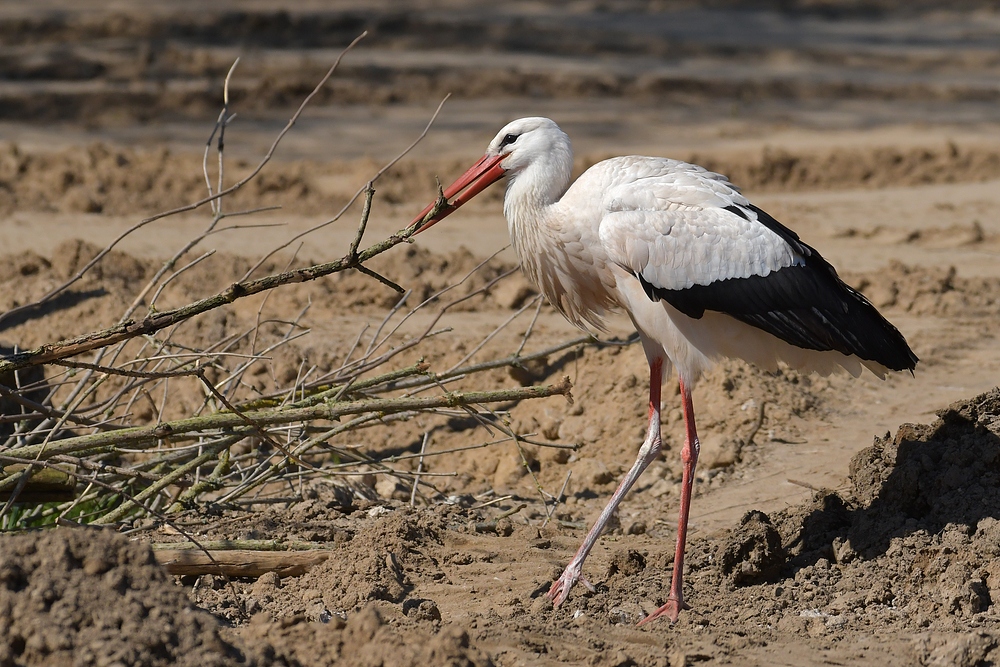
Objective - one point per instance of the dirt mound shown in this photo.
(357, 606)
(910, 552)
(93, 597)
(102, 178)
(114, 180)
(912, 548)
(364, 640)
(378, 557)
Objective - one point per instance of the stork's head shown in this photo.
(522, 142)
(519, 145)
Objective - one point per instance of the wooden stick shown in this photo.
(46, 485)
(239, 563)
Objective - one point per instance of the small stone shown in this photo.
(636, 528)
(505, 527)
(427, 611)
(378, 510)
(628, 562)
(317, 612)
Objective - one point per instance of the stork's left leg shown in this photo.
(647, 454)
(689, 457)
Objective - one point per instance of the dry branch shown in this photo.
(239, 563)
(156, 322)
(242, 563)
(149, 435)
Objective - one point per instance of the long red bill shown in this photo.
(479, 177)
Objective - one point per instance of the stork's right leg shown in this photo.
(647, 454)
(689, 457)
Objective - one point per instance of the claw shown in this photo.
(559, 591)
(561, 586)
(671, 610)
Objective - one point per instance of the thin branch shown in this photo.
(357, 194)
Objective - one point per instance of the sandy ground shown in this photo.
(837, 533)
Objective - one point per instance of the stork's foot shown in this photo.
(560, 587)
(671, 610)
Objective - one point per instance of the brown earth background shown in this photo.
(857, 524)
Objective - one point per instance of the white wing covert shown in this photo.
(689, 227)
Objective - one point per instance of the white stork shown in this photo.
(701, 272)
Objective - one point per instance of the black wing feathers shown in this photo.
(808, 305)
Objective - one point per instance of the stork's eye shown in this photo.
(507, 140)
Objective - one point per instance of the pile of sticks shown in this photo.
(74, 451)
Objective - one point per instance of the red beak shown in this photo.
(479, 177)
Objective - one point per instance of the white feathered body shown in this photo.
(664, 220)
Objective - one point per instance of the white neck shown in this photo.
(534, 189)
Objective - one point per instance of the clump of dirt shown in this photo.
(938, 477)
(94, 597)
(754, 553)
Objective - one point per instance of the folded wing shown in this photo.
(692, 240)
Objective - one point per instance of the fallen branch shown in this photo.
(239, 563)
(149, 435)
(133, 328)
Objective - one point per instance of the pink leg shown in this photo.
(689, 456)
(647, 453)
